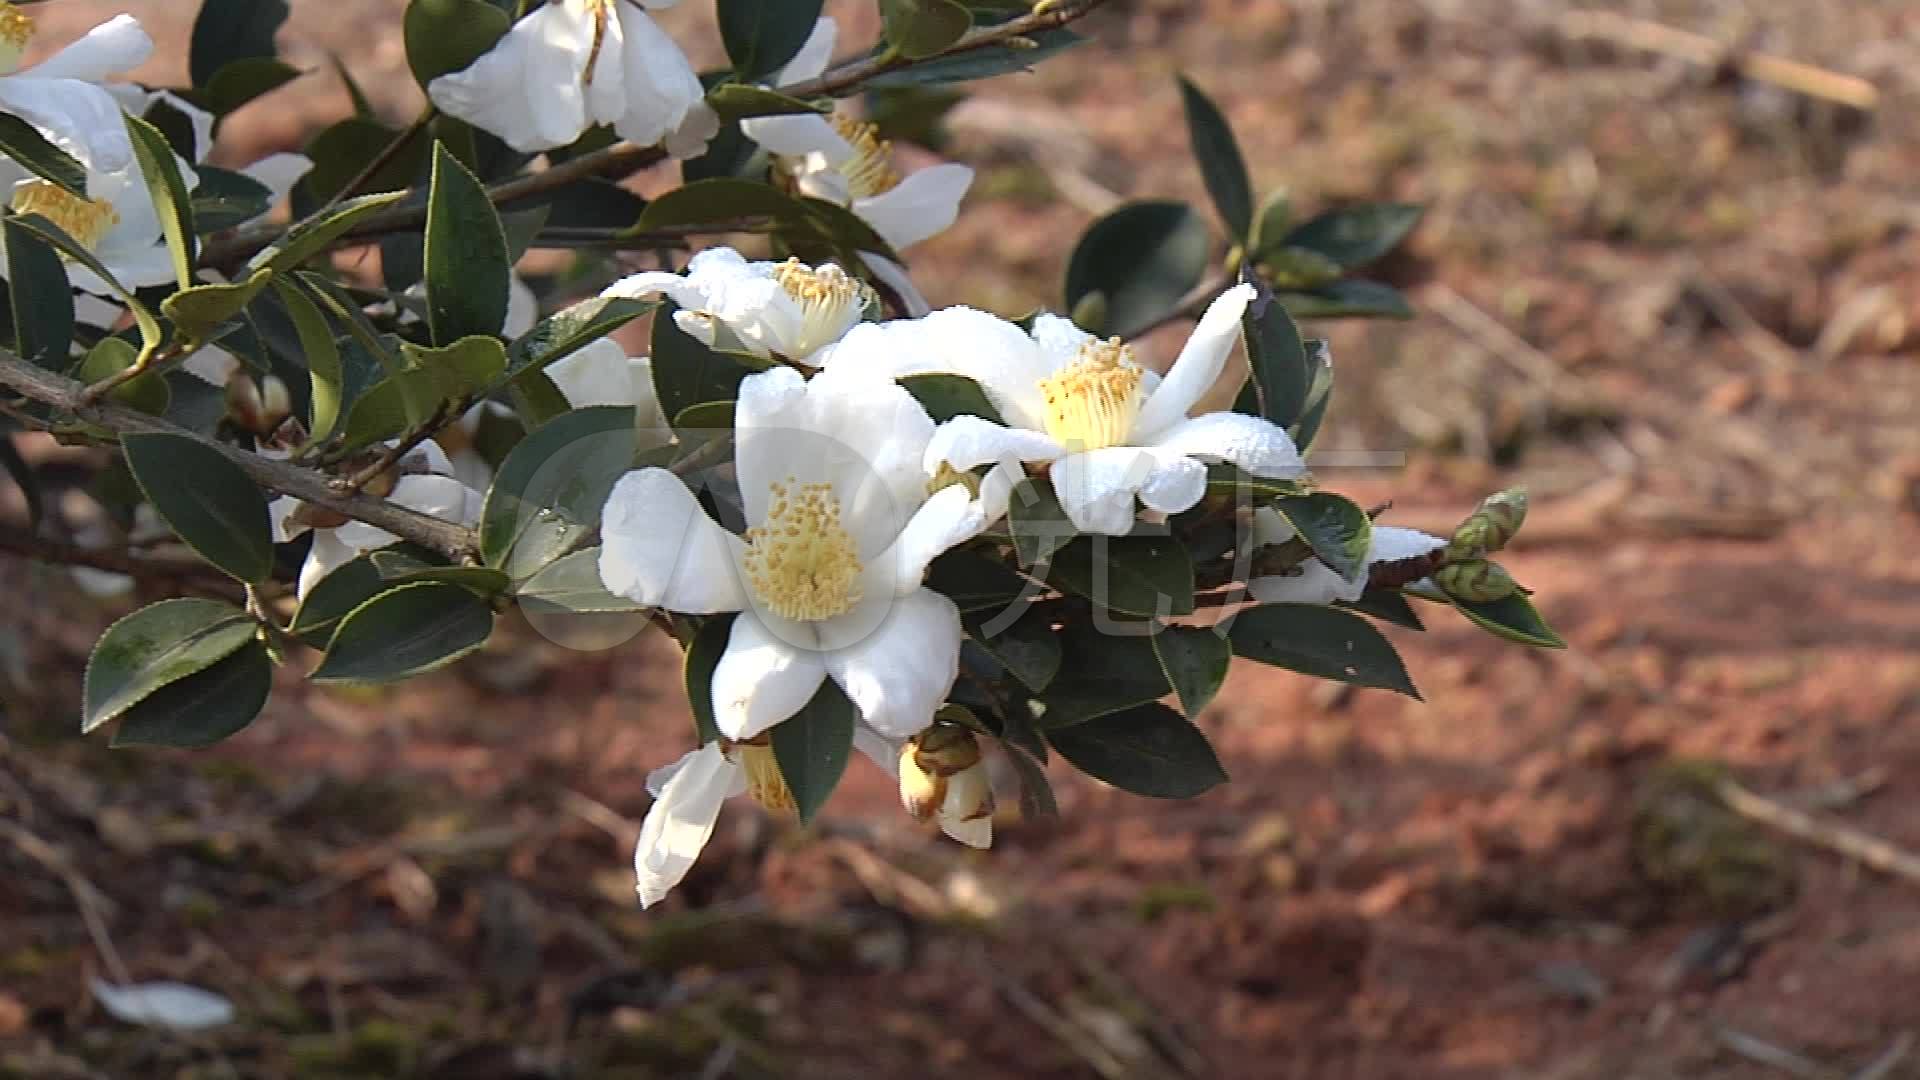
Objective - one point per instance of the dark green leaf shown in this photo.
(1038, 525)
(687, 373)
(1100, 673)
(1298, 268)
(1515, 619)
(548, 493)
(1387, 605)
(1357, 235)
(113, 355)
(151, 335)
(721, 199)
(204, 708)
(1195, 659)
(924, 28)
(1320, 641)
(169, 194)
(761, 37)
(738, 101)
(405, 631)
(23, 143)
(1221, 165)
(322, 354)
(812, 747)
(583, 204)
(1147, 750)
(571, 584)
(1139, 575)
(1144, 258)
(154, 646)
(975, 582)
(947, 396)
(1270, 224)
(466, 256)
(334, 597)
(229, 30)
(703, 656)
(344, 149)
(1349, 299)
(444, 36)
(306, 240)
(1278, 358)
(1336, 528)
(464, 366)
(1028, 648)
(40, 297)
(206, 500)
(223, 199)
(571, 329)
(974, 64)
(1318, 397)
(399, 567)
(196, 311)
(242, 81)
(1036, 794)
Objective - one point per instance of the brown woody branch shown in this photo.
(453, 540)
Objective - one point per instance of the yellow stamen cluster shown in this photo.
(765, 782)
(801, 563)
(830, 301)
(1092, 402)
(16, 29)
(870, 171)
(947, 476)
(86, 220)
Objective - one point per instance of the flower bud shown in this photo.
(946, 749)
(276, 404)
(966, 814)
(244, 406)
(1476, 580)
(1489, 528)
(765, 782)
(921, 792)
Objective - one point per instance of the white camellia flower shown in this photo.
(826, 580)
(61, 95)
(686, 804)
(603, 374)
(117, 223)
(1111, 429)
(426, 484)
(787, 309)
(1314, 582)
(536, 91)
(844, 161)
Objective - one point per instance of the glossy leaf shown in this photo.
(444, 36)
(1100, 673)
(40, 298)
(466, 255)
(548, 494)
(343, 150)
(1270, 222)
(687, 373)
(242, 81)
(975, 582)
(1320, 641)
(1356, 235)
(1147, 750)
(947, 396)
(1348, 299)
(572, 584)
(1143, 258)
(738, 101)
(571, 329)
(1028, 648)
(223, 199)
(1221, 164)
(1195, 659)
(334, 597)
(812, 747)
(198, 310)
(1387, 605)
(151, 335)
(157, 645)
(306, 240)
(703, 656)
(1336, 528)
(922, 28)
(204, 708)
(1282, 373)
(397, 567)
(1037, 523)
(23, 143)
(147, 392)
(1515, 619)
(761, 37)
(206, 500)
(228, 30)
(322, 354)
(405, 631)
(1138, 575)
(169, 194)
(985, 63)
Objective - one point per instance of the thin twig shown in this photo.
(449, 538)
(1870, 851)
(1649, 36)
(112, 560)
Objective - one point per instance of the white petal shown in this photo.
(894, 277)
(814, 56)
(523, 308)
(901, 672)
(1259, 446)
(1199, 364)
(115, 47)
(921, 205)
(797, 135)
(1059, 338)
(95, 311)
(660, 86)
(882, 751)
(163, 1004)
(1391, 544)
(1097, 487)
(681, 820)
(77, 116)
(279, 511)
(659, 548)
(594, 375)
(1176, 484)
(761, 679)
(967, 442)
(770, 403)
(975, 833)
(950, 517)
(1315, 583)
(1271, 527)
(528, 88)
(325, 556)
(696, 130)
(960, 341)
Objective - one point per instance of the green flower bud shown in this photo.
(1496, 521)
(1476, 580)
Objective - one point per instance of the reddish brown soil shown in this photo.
(1709, 299)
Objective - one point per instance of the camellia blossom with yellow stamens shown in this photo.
(62, 96)
(826, 578)
(786, 309)
(572, 64)
(117, 223)
(843, 160)
(1111, 431)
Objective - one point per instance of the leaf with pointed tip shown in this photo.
(1336, 528)
(40, 297)
(947, 396)
(1195, 659)
(206, 500)
(549, 492)
(23, 143)
(812, 747)
(1320, 641)
(1148, 750)
(703, 656)
(762, 37)
(405, 631)
(157, 645)
(444, 36)
(168, 190)
(311, 237)
(1221, 164)
(1356, 235)
(204, 708)
(1145, 257)
(466, 254)
(1037, 523)
(1138, 575)
(1514, 618)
